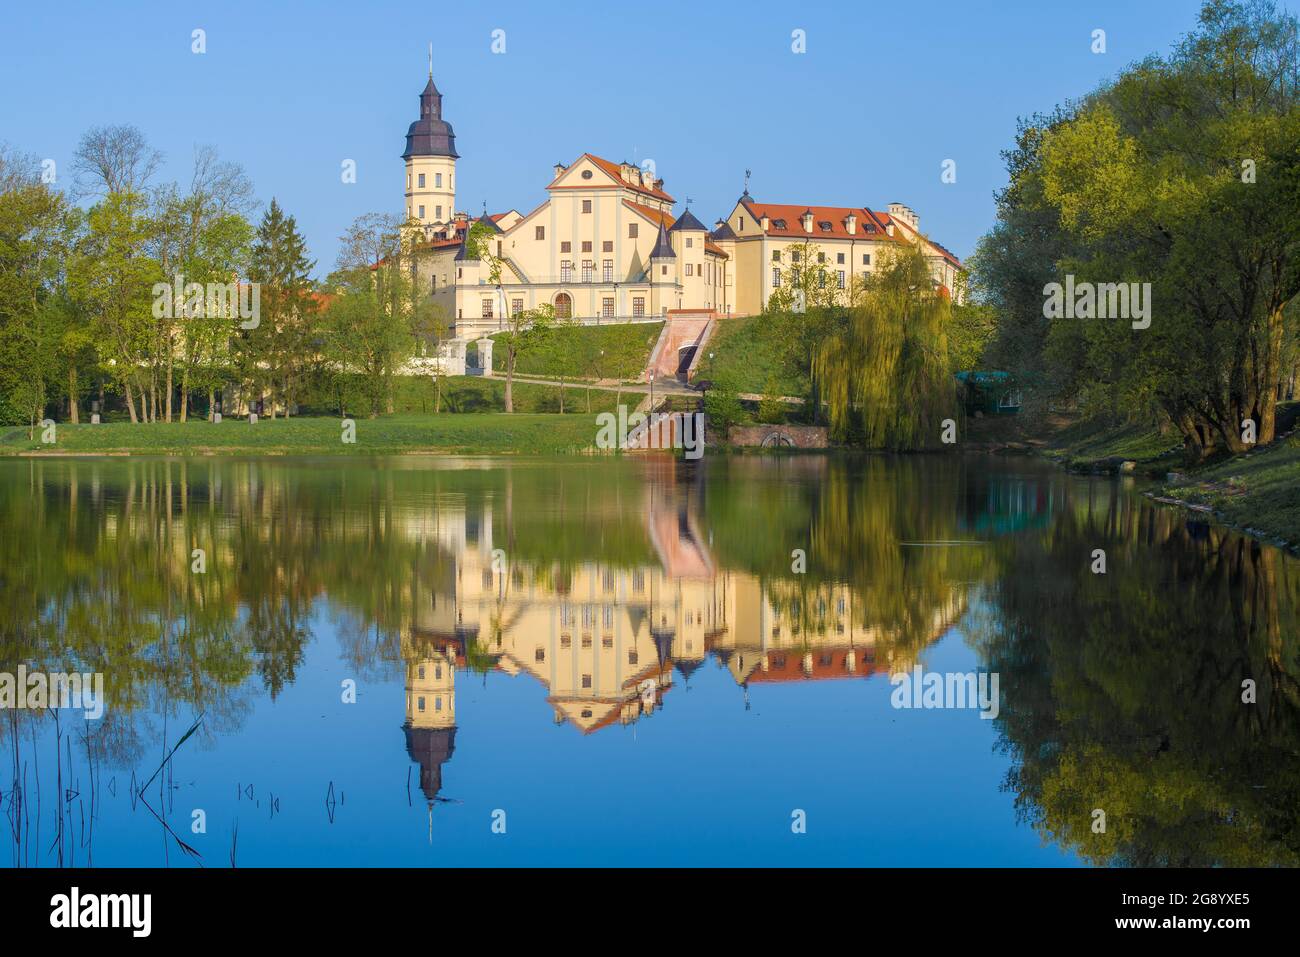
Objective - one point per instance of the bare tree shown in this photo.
(16, 168)
(114, 159)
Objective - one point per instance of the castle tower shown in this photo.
(430, 164)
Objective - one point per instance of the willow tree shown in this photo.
(884, 372)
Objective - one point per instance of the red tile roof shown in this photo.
(655, 216)
(871, 224)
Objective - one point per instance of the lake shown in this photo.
(639, 661)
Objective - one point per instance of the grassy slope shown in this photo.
(745, 358)
(1088, 445)
(627, 350)
(1258, 491)
(449, 433)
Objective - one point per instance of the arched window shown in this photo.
(563, 306)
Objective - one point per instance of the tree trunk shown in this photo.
(130, 402)
(170, 360)
(510, 379)
(72, 395)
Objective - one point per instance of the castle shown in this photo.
(605, 245)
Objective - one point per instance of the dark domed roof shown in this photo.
(430, 135)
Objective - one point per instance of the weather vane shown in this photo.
(747, 174)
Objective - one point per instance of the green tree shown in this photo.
(284, 338)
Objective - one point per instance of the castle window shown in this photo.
(607, 642)
(776, 277)
(421, 181)
(438, 210)
(437, 180)
(437, 703)
(866, 259)
(586, 681)
(487, 314)
(607, 270)
(563, 306)
(607, 308)
(516, 306)
(824, 227)
(539, 232)
(566, 641)
(419, 703)
(566, 270)
(632, 657)
(776, 255)
(607, 246)
(420, 671)
(586, 247)
(840, 278)
(588, 267)
(631, 230)
(586, 174)
(689, 242)
(422, 212)
(740, 222)
(839, 259)
(539, 655)
(778, 224)
(638, 306)
(566, 247)
(689, 269)
(586, 205)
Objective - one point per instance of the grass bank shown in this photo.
(450, 433)
(587, 352)
(1258, 492)
(747, 358)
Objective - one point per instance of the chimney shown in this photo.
(765, 223)
(718, 224)
(807, 218)
(851, 223)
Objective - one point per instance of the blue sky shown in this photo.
(292, 89)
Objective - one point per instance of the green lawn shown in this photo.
(1091, 444)
(415, 394)
(1259, 491)
(745, 359)
(478, 433)
(575, 352)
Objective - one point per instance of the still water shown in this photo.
(432, 661)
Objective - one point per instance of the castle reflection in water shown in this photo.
(610, 643)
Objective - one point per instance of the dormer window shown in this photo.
(824, 226)
(778, 224)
